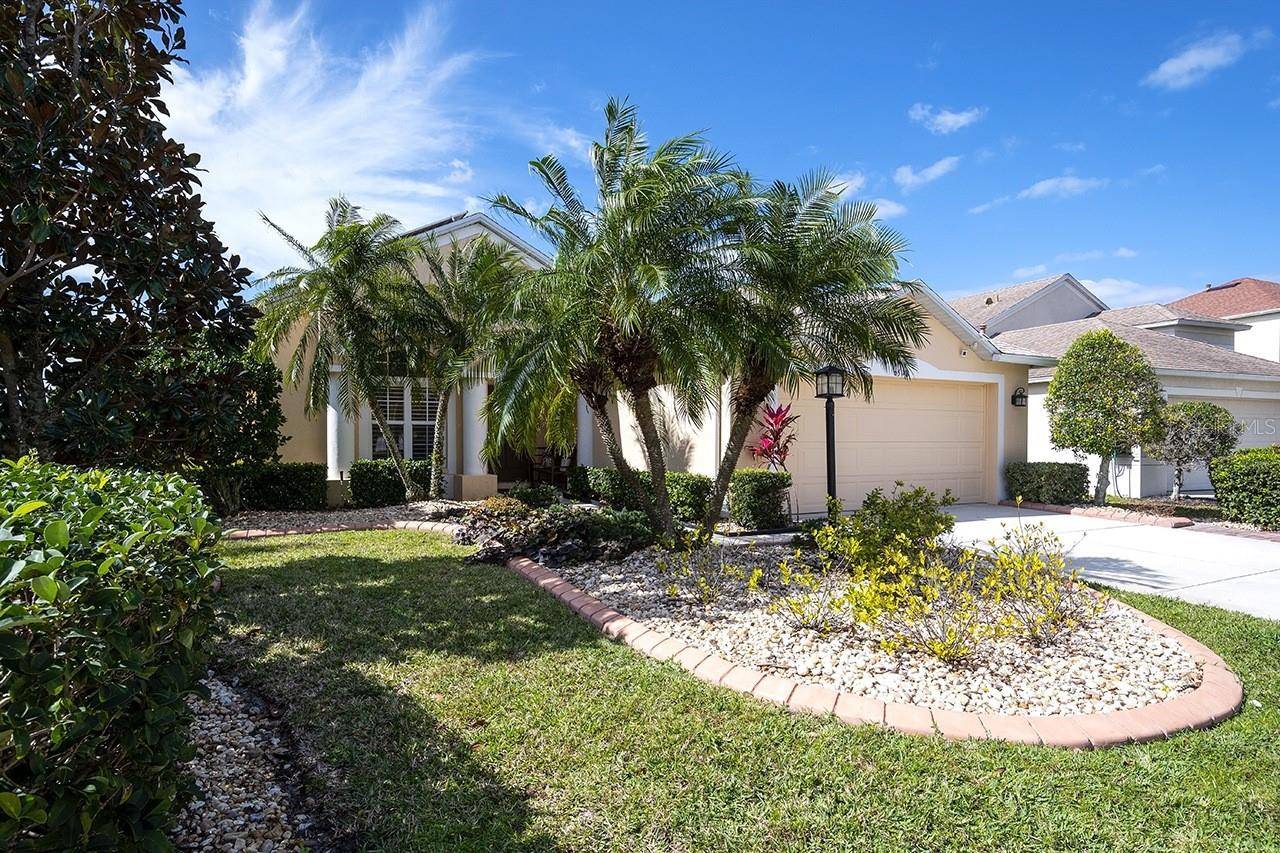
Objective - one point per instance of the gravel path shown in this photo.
(247, 784)
(1113, 662)
(293, 519)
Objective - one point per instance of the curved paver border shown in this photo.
(1219, 696)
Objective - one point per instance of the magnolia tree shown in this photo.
(1193, 432)
(1104, 399)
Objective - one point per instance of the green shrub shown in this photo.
(540, 496)
(758, 499)
(910, 520)
(1247, 485)
(578, 484)
(265, 486)
(1047, 482)
(688, 492)
(106, 583)
(375, 482)
(557, 534)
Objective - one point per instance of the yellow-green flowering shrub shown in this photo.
(1027, 581)
(702, 571)
(810, 598)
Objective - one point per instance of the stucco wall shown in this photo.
(1224, 338)
(1262, 338)
(304, 433)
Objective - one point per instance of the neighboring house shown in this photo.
(1252, 302)
(1194, 356)
(952, 426)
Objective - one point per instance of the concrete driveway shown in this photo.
(1207, 568)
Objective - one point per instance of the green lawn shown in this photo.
(465, 709)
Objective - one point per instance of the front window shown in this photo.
(410, 411)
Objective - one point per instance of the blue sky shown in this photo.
(1137, 149)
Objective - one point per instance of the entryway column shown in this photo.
(586, 434)
(339, 433)
(473, 428)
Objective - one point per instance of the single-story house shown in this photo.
(1194, 355)
(1252, 302)
(952, 426)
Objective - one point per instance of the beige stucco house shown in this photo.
(952, 426)
(1195, 355)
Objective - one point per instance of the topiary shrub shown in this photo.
(758, 499)
(106, 584)
(1047, 482)
(689, 494)
(540, 496)
(1247, 485)
(609, 488)
(375, 482)
(688, 491)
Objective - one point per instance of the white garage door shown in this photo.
(1261, 420)
(922, 432)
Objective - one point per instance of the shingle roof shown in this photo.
(981, 307)
(1241, 296)
(1165, 352)
(1151, 313)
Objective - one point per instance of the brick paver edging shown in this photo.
(1113, 513)
(1218, 697)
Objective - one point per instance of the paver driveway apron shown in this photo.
(1207, 568)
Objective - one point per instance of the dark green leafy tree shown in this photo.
(339, 305)
(1192, 433)
(105, 255)
(1104, 399)
(818, 286)
(637, 297)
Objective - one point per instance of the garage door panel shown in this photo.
(925, 433)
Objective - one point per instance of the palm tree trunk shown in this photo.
(642, 407)
(436, 489)
(598, 404)
(411, 490)
(739, 428)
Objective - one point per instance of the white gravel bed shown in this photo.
(1113, 662)
(240, 803)
(293, 519)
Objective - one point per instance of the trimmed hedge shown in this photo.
(1048, 482)
(758, 499)
(578, 484)
(1247, 486)
(375, 482)
(266, 485)
(106, 583)
(688, 492)
(539, 496)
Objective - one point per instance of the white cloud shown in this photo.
(887, 208)
(944, 121)
(1199, 59)
(1076, 257)
(1030, 272)
(1275, 104)
(1157, 169)
(1121, 292)
(1124, 252)
(1070, 147)
(1064, 186)
(462, 172)
(909, 179)
(849, 183)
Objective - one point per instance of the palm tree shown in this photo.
(340, 298)
(819, 286)
(450, 319)
(635, 298)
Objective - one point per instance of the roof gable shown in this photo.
(461, 226)
(995, 308)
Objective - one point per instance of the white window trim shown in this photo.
(410, 425)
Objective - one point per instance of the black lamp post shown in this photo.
(829, 384)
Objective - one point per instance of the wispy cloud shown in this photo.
(1063, 186)
(1070, 147)
(849, 183)
(1157, 169)
(1121, 292)
(1030, 272)
(909, 179)
(1198, 60)
(944, 121)
(887, 208)
(1274, 104)
(1123, 252)
(291, 122)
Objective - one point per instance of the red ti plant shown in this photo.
(776, 436)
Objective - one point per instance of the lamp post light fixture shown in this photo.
(828, 384)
